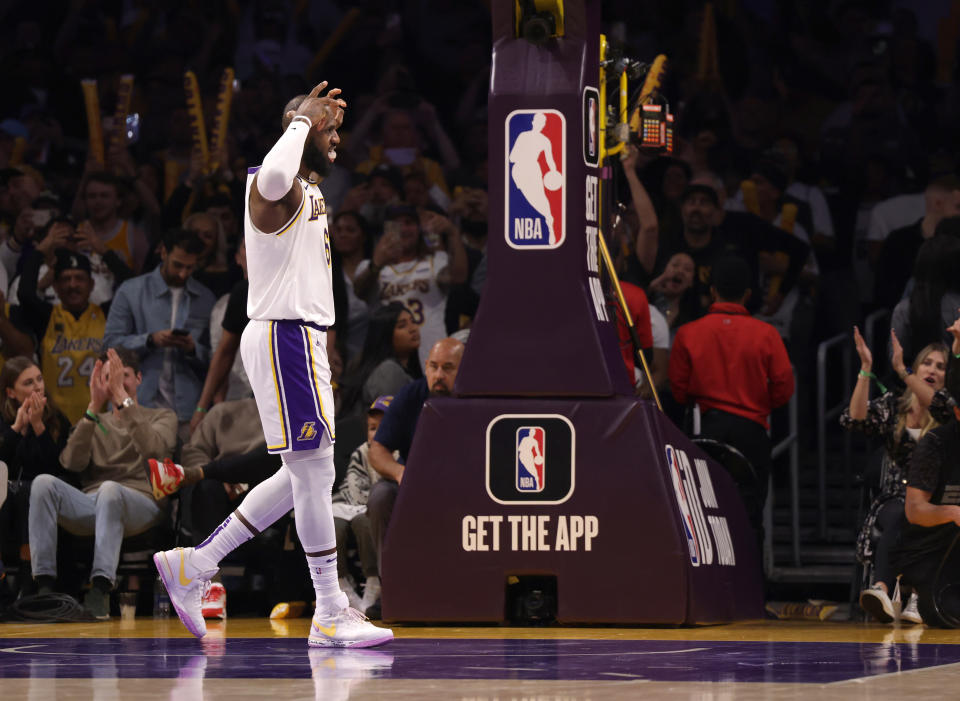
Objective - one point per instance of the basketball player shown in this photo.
(290, 305)
(526, 173)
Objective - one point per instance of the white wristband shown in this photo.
(301, 117)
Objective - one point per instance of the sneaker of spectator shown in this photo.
(876, 601)
(910, 612)
(97, 600)
(167, 477)
(213, 603)
(349, 587)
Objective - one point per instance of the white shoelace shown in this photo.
(352, 613)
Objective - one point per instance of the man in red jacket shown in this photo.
(737, 369)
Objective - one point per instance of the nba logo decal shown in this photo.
(536, 176)
(591, 127)
(531, 460)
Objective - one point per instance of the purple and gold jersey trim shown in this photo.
(296, 375)
(296, 216)
(276, 383)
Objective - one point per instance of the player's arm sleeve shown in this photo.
(280, 166)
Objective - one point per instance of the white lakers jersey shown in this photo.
(415, 284)
(289, 269)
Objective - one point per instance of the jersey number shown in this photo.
(66, 365)
(415, 307)
(326, 247)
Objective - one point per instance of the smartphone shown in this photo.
(133, 128)
(180, 332)
(41, 217)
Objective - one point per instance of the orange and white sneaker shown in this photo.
(186, 586)
(165, 477)
(345, 628)
(214, 602)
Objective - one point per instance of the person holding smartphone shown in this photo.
(418, 258)
(164, 316)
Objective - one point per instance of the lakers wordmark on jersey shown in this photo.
(290, 269)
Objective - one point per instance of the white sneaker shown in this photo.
(910, 612)
(185, 591)
(345, 628)
(371, 592)
(876, 602)
(347, 587)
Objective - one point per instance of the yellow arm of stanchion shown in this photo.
(602, 122)
(353, 14)
(91, 100)
(622, 114)
(608, 262)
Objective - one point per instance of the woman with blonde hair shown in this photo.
(901, 421)
(33, 431)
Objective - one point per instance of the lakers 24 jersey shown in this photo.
(290, 269)
(68, 352)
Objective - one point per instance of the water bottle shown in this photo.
(161, 600)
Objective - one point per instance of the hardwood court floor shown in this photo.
(250, 658)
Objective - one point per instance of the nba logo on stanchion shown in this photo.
(531, 459)
(536, 177)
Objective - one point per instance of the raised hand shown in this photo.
(954, 330)
(387, 249)
(88, 240)
(320, 110)
(866, 357)
(22, 419)
(99, 391)
(115, 378)
(35, 404)
(659, 283)
(57, 237)
(896, 359)
(629, 158)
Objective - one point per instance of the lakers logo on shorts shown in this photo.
(308, 431)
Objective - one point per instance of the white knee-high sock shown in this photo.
(312, 474)
(265, 503)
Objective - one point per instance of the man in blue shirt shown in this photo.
(164, 316)
(398, 426)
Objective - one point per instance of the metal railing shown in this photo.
(825, 414)
(790, 443)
